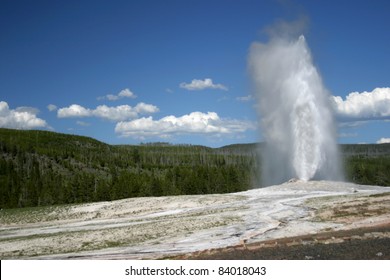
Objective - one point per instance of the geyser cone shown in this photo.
(296, 117)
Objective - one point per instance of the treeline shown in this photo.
(45, 168)
(368, 170)
(367, 164)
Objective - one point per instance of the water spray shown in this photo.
(295, 113)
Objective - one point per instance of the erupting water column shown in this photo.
(296, 115)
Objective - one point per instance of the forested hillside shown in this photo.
(367, 164)
(46, 168)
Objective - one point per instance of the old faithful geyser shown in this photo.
(296, 115)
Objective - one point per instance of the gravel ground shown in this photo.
(358, 244)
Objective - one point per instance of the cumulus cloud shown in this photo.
(51, 107)
(125, 93)
(20, 118)
(383, 141)
(194, 123)
(26, 109)
(202, 84)
(73, 111)
(143, 108)
(365, 105)
(118, 113)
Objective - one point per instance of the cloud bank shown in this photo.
(194, 123)
(20, 118)
(365, 105)
(118, 113)
(383, 141)
(125, 93)
(202, 84)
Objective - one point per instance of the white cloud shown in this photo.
(26, 109)
(118, 113)
(365, 105)
(383, 141)
(194, 123)
(51, 107)
(20, 118)
(110, 97)
(202, 84)
(245, 98)
(80, 123)
(125, 93)
(353, 123)
(143, 108)
(347, 135)
(73, 111)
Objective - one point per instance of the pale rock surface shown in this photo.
(158, 227)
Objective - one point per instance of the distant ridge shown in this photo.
(43, 138)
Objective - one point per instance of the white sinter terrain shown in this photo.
(157, 227)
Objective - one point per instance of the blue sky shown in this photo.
(126, 72)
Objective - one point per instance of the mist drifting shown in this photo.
(295, 112)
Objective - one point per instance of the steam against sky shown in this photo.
(296, 114)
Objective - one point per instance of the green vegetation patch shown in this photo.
(32, 214)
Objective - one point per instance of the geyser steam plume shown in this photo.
(296, 115)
